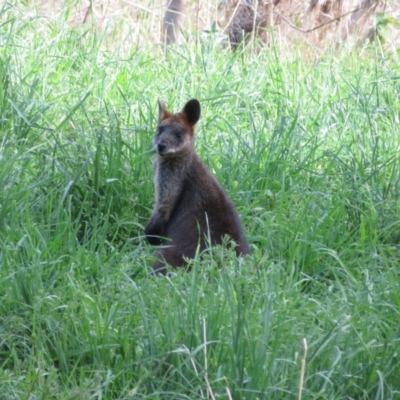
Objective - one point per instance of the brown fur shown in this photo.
(251, 16)
(191, 206)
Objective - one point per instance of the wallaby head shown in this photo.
(175, 132)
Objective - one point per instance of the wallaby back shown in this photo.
(192, 209)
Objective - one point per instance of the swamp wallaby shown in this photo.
(192, 209)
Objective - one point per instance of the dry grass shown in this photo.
(319, 23)
(294, 21)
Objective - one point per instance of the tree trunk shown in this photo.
(173, 20)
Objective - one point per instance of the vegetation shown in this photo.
(308, 151)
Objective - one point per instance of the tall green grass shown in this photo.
(309, 152)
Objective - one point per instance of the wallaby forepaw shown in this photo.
(153, 234)
(154, 240)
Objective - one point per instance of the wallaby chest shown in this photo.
(169, 178)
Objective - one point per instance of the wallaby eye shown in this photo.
(160, 130)
(178, 135)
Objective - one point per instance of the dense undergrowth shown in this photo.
(308, 151)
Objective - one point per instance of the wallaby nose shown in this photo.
(161, 147)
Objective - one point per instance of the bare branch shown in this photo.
(325, 23)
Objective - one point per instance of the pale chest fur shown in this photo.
(168, 180)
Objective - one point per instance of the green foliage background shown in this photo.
(308, 151)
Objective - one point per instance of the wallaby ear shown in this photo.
(163, 113)
(192, 111)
